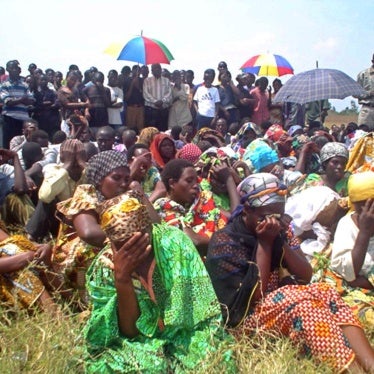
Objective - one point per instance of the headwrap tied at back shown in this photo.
(102, 164)
(361, 186)
(333, 149)
(260, 189)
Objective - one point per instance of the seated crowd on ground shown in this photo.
(182, 215)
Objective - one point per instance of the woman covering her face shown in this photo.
(154, 308)
(255, 274)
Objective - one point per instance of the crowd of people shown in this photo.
(182, 216)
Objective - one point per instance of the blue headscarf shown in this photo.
(260, 154)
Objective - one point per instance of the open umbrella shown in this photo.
(267, 65)
(318, 84)
(142, 50)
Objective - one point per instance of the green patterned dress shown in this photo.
(179, 328)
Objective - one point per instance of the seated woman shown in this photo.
(247, 261)
(262, 157)
(143, 171)
(206, 134)
(16, 205)
(353, 248)
(248, 132)
(361, 157)
(154, 307)
(190, 152)
(147, 134)
(307, 155)
(334, 158)
(81, 237)
(162, 149)
(210, 166)
(23, 265)
(280, 138)
(315, 213)
(188, 208)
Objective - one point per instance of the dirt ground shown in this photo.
(338, 119)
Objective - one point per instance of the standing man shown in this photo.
(366, 80)
(206, 101)
(99, 100)
(133, 93)
(316, 111)
(157, 98)
(16, 97)
(116, 97)
(261, 111)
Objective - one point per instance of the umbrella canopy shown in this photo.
(318, 84)
(143, 51)
(267, 65)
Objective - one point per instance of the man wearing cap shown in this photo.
(16, 97)
(366, 80)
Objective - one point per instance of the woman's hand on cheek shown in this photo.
(130, 255)
(268, 229)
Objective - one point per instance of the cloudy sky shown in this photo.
(338, 34)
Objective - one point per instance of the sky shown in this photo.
(338, 34)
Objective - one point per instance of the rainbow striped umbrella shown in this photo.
(267, 65)
(142, 50)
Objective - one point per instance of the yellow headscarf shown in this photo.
(361, 186)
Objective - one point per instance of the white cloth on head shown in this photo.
(304, 208)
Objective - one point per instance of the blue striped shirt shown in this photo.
(15, 90)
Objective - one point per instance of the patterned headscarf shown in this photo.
(212, 136)
(333, 149)
(299, 140)
(261, 189)
(275, 133)
(215, 156)
(313, 164)
(102, 164)
(190, 152)
(147, 134)
(237, 140)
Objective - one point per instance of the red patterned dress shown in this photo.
(310, 315)
(204, 217)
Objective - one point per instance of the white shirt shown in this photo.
(206, 99)
(341, 258)
(114, 114)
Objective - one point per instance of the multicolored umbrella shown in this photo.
(143, 51)
(267, 65)
(318, 84)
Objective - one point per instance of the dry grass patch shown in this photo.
(40, 343)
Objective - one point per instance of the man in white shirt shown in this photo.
(206, 101)
(116, 97)
(157, 99)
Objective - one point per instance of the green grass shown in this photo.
(42, 344)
